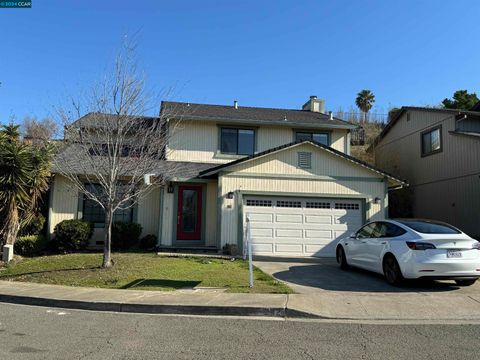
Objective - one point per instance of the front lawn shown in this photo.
(141, 271)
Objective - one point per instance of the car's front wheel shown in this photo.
(342, 259)
(468, 282)
(392, 271)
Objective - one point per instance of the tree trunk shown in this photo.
(107, 243)
(12, 225)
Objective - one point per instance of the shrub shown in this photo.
(35, 226)
(148, 242)
(125, 235)
(73, 235)
(230, 249)
(30, 245)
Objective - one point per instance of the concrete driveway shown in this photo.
(322, 288)
(321, 275)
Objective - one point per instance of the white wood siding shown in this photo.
(148, 212)
(211, 215)
(285, 162)
(64, 206)
(167, 219)
(64, 202)
(197, 141)
(445, 185)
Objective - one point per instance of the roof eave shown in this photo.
(323, 125)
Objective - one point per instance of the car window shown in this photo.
(429, 227)
(366, 231)
(387, 230)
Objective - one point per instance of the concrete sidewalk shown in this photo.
(216, 302)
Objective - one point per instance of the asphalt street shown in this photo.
(42, 333)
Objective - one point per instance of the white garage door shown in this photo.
(287, 226)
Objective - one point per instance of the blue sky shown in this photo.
(261, 53)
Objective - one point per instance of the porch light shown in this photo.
(230, 195)
(170, 188)
(377, 200)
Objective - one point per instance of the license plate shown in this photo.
(454, 254)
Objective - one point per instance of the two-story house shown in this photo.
(438, 152)
(288, 171)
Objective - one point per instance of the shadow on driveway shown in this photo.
(324, 274)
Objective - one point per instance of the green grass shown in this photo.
(141, 271)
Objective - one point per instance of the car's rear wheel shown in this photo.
(392, 271)
(342, 259)
(468, 282)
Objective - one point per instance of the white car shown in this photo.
(412, 249)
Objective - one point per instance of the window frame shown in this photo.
(101, 224)
(431, 130)
(311, 133)
(221, 127)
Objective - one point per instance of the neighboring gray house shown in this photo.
(438, 152)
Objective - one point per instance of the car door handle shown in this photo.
(364, 242)
(383, 242)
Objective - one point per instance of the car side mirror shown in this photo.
(353, 235)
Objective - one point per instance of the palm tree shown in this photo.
(24, 174)
(364, 102)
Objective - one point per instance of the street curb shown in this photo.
(247, 311)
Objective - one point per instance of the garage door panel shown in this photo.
(260, 217)
(262, 248)
(318, 234)
(326, 249)
(289, 218)
(318, 219)
(261, 232)
(289, 248)
(291, 233)
(348, 220)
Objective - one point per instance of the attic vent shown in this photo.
(305, 160)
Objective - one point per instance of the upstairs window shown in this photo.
(237, 141)
(319, 137)
(431, 141)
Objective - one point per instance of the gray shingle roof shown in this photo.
(69, 159)
(252, 115)
(96, 119)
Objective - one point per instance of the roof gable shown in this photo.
(285, 156)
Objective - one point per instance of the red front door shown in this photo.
(189, 215)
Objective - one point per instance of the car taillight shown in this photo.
(476, 245)
(420, 245)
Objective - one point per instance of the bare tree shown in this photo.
(39, 131)
(115, 155)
